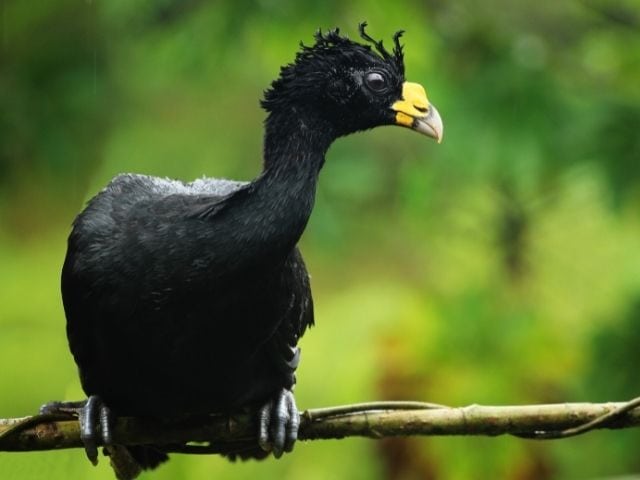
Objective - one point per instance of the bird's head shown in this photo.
(351, 87)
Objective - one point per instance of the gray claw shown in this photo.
(279, 422)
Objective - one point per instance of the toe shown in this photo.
(88, 429)
(57, 407)
(264, 419)
(96, 422)
(293, 425)
(106, 422)
(50, 407)
(279, 425)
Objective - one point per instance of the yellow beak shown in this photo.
(414, 111)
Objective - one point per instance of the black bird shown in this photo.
(188, 299)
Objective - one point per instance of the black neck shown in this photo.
(273, 211)
(294, 143)
(294, 151)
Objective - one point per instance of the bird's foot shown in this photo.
(96, 421)
(279, 422)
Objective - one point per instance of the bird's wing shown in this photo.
(296, 315)
(106, 270)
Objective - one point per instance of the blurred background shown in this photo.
(501, 267)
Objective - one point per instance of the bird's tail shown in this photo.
(129, 462)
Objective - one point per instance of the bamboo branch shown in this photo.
(374, 420)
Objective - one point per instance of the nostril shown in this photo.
(421, 109)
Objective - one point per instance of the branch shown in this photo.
(374, 420)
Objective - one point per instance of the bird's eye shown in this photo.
(376, 81)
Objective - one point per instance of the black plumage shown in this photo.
(191, 298)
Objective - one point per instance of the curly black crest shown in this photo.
(330, 52)
(333, 39)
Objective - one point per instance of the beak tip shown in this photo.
(435, 122)
(430, 125)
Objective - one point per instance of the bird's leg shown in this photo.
(279, 421)
(96, 421)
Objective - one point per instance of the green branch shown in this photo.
(219, 434)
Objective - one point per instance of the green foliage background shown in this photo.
(502, 266)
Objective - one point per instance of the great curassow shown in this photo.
(189, 299)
